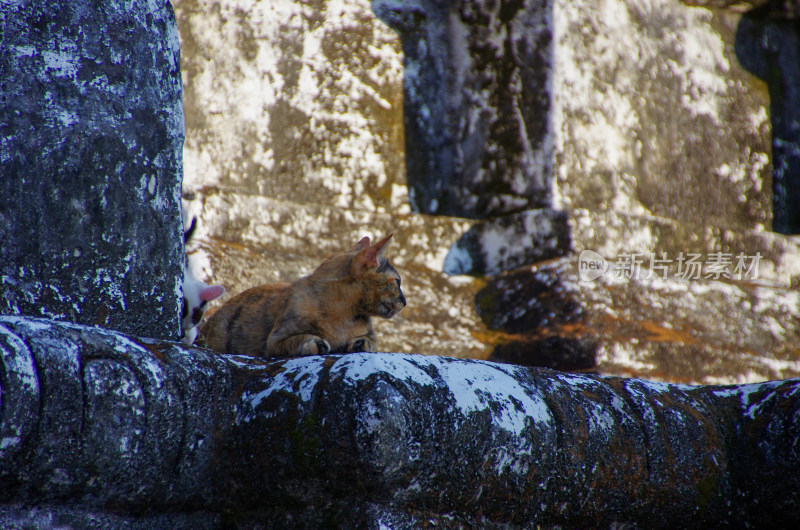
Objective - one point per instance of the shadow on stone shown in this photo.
(769, 47)
(476, 142)
(535, 321)
(558, 353)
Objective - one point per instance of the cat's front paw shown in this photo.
(323, 347)
(315, 346)
(360, 345)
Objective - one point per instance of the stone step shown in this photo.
(700, 331)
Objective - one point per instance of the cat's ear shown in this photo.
(381, 244)
(212, 292)
(368, 257)
(361, 245)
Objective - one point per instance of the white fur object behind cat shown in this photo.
(196, 295)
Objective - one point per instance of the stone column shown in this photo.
(91, 132)
(477, 74)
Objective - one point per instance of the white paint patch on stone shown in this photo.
(62, 63)
(754, 397)
(457, 261)
(67, 352)
(623, 356)
(299, 377)
(144, 361)
(359, 366)
(473, 384)
(20, 408)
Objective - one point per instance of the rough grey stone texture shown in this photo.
(65, 517)
(476, 98)
(106, 429)
(508, 242)
(778, 9)
(91, 131)
(770, 49)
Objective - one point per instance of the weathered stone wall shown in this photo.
(651, 105)
(91, 129)
(611, 105)
(615, 110)
(311, 93)
(601, 104)
(101, 429)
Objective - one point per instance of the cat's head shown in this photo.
(380, 282)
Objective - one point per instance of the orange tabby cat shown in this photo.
(327, 311)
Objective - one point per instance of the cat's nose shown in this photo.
(402, 299)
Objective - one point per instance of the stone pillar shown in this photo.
(476, 87)
(769, 46)
(91, 132)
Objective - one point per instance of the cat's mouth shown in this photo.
(390, 309)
